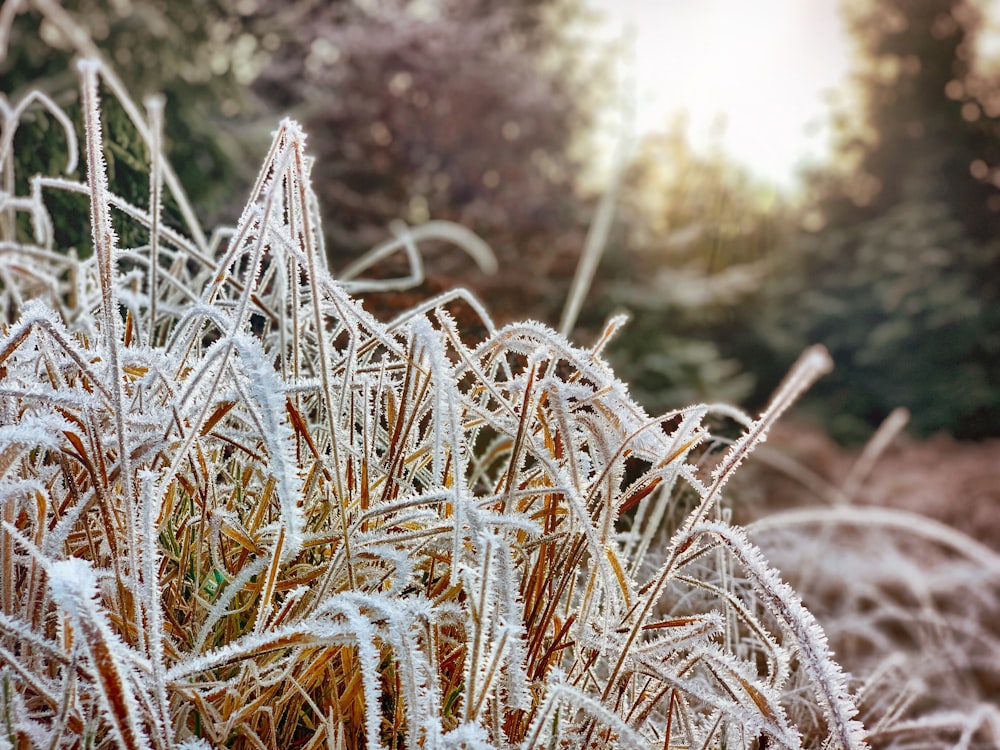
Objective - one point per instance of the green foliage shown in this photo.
(905, 322)
(191, 52)
(897, 269)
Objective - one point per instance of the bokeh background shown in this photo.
(783, 173)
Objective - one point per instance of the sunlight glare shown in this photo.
(752, 78)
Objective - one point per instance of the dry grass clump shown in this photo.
(911, 604)
(239, 511)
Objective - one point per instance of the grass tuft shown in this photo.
(239, 510)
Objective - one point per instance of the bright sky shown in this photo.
(765, 66)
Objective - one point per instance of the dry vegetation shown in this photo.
(894, 548)
(239, 511)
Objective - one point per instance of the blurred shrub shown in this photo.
(900, 303)
(459, 110)
(462, 110)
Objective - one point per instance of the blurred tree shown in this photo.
(898, 267)
(696, 240)
(465, 110)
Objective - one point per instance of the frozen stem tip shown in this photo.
(815, 360)
(292, 130)
(155, 102)
(88, 66)
(812, 364)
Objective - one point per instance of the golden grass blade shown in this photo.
(74, 588)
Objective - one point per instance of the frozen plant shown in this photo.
(238, 510)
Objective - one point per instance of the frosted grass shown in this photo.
(240, 510)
